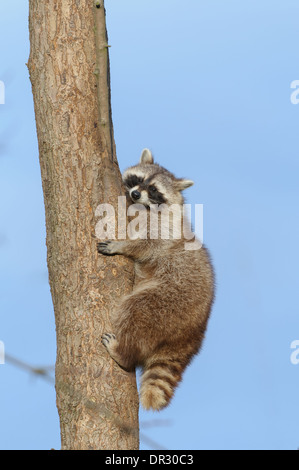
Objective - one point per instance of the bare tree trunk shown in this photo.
(69, 70)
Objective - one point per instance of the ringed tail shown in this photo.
(158, 383)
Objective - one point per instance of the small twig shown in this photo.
(156, 422)
(151, 443)
(40, 371)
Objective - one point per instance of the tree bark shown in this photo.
(69, 71)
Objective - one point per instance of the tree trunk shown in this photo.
(69, 70)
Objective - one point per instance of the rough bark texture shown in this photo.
(69, 70)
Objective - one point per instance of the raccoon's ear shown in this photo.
(184, 184)
(147, 157)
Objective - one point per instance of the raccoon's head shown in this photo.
(148, 183)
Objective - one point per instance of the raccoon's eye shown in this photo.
(155, 195)
(133, 181)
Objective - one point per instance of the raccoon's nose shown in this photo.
(136, 195)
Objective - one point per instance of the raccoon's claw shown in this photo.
(106, 338)
(105, 248)
(111, 344)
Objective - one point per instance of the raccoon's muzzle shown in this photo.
(135, 195)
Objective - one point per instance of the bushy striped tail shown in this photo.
(158, 382)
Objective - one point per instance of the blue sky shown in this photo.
(207, 87)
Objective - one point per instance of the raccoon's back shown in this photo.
(181, 305)
(185, 277)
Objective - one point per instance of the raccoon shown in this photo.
(160, 326)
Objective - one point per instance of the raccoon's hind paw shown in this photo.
(107, 338)
(110, 342)
(107, 248)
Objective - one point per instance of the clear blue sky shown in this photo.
(206, 85)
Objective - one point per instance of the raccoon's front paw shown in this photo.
(108, 248)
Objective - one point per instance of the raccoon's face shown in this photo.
(150, 184)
